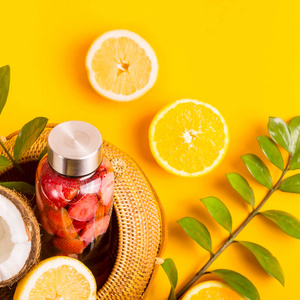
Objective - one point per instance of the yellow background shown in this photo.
(243, 57)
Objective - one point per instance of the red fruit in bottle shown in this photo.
(85, 208)
(78, 225)
(69, 246)
(107, 188)
(58, 191)
(94, 228)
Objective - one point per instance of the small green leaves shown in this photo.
(240, 283)
(4, 85)
(280, 133)
(294, 127)
(20, 186)
(271, 151)
(28, 135)
(219, 212)
(285, 221)
(197, 231)
(4, 162)
(268, 262)
(171, 271)
(240, 184)
(291, 184)
(258, 170)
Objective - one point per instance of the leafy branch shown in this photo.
(288, 137)
(25, 139)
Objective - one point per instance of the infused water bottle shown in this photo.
(74, 192)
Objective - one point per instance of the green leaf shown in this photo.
(285, 221)
(268, 262)
(280, 133)
(197, 231)
(4, 85)
(240, 283)
(291, 184)
(171, 271)
(294, 127)
(240, 184)
(258, 169)
(28, 135)
(4, 163)
(20, 186)
(43, 153)
(295, 162)
(219, 211)
(271, 151)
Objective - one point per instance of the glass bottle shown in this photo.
(74, 193)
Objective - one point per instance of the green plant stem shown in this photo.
(12, 160)
(230, 240)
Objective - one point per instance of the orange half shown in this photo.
(188, 137)
(121, 65)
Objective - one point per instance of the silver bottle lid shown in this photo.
(75, 148)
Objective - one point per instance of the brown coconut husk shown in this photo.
(33, 232)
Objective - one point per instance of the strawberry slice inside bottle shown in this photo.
(94, 228)
(58, 191)
(78, 225)
(85, 208)
(107, 188)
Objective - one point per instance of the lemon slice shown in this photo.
(57, 278)
(188, 137)
(212, 290)
(121, 65)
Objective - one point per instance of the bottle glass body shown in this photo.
(74, 212)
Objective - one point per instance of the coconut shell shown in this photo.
(32, 230)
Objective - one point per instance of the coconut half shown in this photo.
(19, 237)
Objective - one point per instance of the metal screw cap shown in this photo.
(75, 148)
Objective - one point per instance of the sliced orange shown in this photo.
(121, 65)
(212, 290)
(58, 277)
(188, 137)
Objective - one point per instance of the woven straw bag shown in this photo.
(139, 229)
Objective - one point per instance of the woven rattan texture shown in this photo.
(141, 227)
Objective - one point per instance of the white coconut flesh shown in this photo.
(14, 243)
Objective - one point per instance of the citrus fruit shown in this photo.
(212, 290)
(188, 137)
(58, 277)
(121, 65)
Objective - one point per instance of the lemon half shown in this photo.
(188, 137)
(58, 277)
(121, 65)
